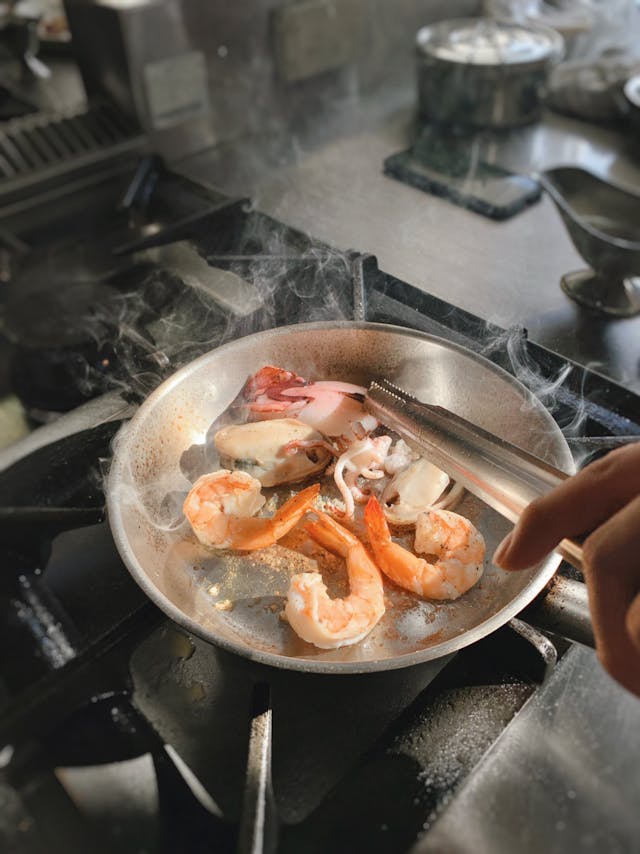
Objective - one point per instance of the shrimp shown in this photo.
(221, 509)
(457, 544)
(330, 623)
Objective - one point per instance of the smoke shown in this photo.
(546, 389)
(138, 323)
(158, 501)
(566, 399)
(200, 296)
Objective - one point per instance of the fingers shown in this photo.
(603, 498)
(577, 506)
(612, 572)
(633, 622)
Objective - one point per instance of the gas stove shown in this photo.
(119, 729)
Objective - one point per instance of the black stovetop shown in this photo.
(99, 692)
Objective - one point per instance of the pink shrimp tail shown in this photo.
(296, 507)
(251, 533)
(376, 522)
(331, 535)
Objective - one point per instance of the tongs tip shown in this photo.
(384, 388)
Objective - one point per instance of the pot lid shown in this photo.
(484, 41)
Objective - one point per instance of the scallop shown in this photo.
(260, 449)
(416, 488)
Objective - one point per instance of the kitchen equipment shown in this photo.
(139, 56)
(477, 72)
(19, 37)
(169, 443)
(451, 165)
(603, 221)
(97, 674)
(503, 475)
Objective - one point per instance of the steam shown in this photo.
(548, 390)
(190, 298)
(571, 408)
(198, 299)
(159, 501)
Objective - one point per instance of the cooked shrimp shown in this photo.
(457, 544)
(221, 509)
(330, 623)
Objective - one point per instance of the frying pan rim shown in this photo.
(525, 596)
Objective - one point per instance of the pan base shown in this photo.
(615, 297)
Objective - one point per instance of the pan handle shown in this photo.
(571, 551)
(563, 608)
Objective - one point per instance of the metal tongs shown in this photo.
(504, 476)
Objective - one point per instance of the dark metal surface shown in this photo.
(39, 148)
(564, 610)
(178, 230)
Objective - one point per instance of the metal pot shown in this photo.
(482, 73)
(169, 443)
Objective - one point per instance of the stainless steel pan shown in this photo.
(168, 444)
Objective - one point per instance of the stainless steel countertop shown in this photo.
(562, 777)
(507, 272)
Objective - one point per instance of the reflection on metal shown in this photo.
(33, 610)
(258, 825)
(547, 650)
(564, 610)
(195, 786)
(359, 299)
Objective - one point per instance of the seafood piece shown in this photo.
(457, 546)
(331, 407)
(364, 458)
(221, 509)
(419, 487)
(330, 623)
(262, 393)
(399, 457)
(283, 450)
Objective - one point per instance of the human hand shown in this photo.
(602, 501)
